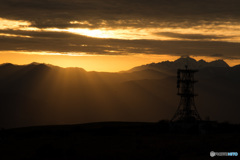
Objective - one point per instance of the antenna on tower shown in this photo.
(187, 110)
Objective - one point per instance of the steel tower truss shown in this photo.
(187, 110)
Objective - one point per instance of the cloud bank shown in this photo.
(201, 28)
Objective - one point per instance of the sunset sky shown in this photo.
(115, 35)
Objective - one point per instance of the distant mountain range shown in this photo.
(181, 63)
(40, 94)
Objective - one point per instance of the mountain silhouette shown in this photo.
(181, 63)
(42, 94)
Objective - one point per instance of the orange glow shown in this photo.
(13, 35)
(223, 32)
(13, 24)
(232, 62)
(107, 63)
(228, 32)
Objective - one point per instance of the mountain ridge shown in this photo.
(170, 65)
(181, 63)
(37, 94)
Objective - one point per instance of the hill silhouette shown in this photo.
(116, 140)
(180, 63)
(40, 94)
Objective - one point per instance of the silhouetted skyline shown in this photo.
(40, 94)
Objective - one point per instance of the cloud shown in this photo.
(194, 27)
(64, 42)
(59, 13)
(191, 36)
(216, 55)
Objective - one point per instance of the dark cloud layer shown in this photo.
(67, 42)
(120, 13)
(191, 36)
(57, 13)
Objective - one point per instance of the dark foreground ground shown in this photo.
(118, 141)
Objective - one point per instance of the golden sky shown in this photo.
(105, 63)
(103, 35)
